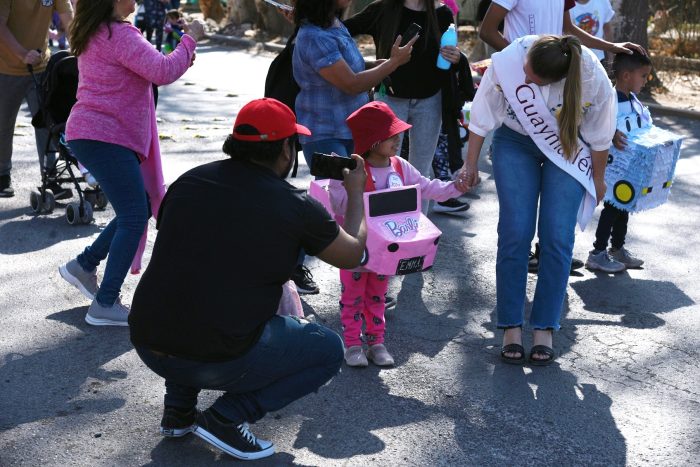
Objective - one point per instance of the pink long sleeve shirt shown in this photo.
(115, 98)
(430, 189)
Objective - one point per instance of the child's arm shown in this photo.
(429, 189)
(619, 140)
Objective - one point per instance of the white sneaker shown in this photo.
(355, 356)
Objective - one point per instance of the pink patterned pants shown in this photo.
(362, 297)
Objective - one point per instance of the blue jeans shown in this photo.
(523, 174)
(117, 170)
(290, 360)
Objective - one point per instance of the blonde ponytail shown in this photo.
(569, 118)
(554, 58)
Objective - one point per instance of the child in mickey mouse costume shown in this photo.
(376, 132)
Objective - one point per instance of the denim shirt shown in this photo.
(320, 106)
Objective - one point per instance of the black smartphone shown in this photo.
(411, 31)
(328, 166)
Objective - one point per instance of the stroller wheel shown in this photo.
(42, 204)
(75, 215)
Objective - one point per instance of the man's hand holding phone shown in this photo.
(354, 180)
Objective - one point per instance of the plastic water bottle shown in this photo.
(449, 37)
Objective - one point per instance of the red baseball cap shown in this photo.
(268, 120)
(373, 123)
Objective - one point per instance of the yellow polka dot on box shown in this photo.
(640, 176)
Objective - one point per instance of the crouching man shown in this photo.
(204, 313)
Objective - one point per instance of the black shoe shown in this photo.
(576, 264)
(58, 191)
(451, 205)
(177, 422)
(533, 264)
(304, 280)
(389, 302)
(6, 190)
(235, 440)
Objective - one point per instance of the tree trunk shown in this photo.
(631, 23)
(212, 9)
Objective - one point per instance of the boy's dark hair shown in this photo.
(629, 62)
(174, 13)
(262, 152)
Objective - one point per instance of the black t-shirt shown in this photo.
(420, 77)
(229, 238)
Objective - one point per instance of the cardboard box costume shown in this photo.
(640, 176)
(400, 238)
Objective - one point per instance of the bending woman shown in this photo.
(112, 131)
(543, 92)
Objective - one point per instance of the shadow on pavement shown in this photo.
(38, 233)
(57, 374)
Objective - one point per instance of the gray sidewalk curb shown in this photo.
(274, 47)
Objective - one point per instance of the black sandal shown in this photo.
(542, 350)
(513, 348)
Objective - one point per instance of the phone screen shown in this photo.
(410, 33)
(327, 166)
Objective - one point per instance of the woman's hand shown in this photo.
(619, 140)
(402, 55)
(468, 177)
(451, 54)
(626, 48)
(600, 188)
(195, 29)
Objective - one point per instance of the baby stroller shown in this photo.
(57, 94)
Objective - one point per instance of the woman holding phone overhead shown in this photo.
(333, 82)
(412, 91)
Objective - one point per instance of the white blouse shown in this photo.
(490, 108)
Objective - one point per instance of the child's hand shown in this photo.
(619, 140)
(461, 184)
(600, 189)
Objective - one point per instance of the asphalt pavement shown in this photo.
(624, 390)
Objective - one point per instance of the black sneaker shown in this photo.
(235, 440)
(304, 280)
(451, 205)
(58, 191)
(6, 190)
(176, 423)
(389, 302)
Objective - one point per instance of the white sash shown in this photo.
(532, 111)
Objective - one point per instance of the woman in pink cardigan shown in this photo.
(112, 131)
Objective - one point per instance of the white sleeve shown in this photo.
(507, 4)
(489, 106)
(608, 12)
(598, 125)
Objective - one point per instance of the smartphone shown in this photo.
(411, 31)
(330, 166)
(281, 6)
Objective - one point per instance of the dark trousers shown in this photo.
(290, 360)
(612, 223)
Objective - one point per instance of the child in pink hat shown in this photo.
(376, 133)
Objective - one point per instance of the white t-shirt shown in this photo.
(490, 108)
(591, 17)
(527, 17)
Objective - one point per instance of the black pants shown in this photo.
(612, 223)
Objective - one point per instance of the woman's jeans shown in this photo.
(290, 360)
(426, 117)
(117, 170)
(523, 174)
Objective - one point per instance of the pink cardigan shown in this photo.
(115, 99)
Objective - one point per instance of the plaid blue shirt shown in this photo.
(320, 106)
